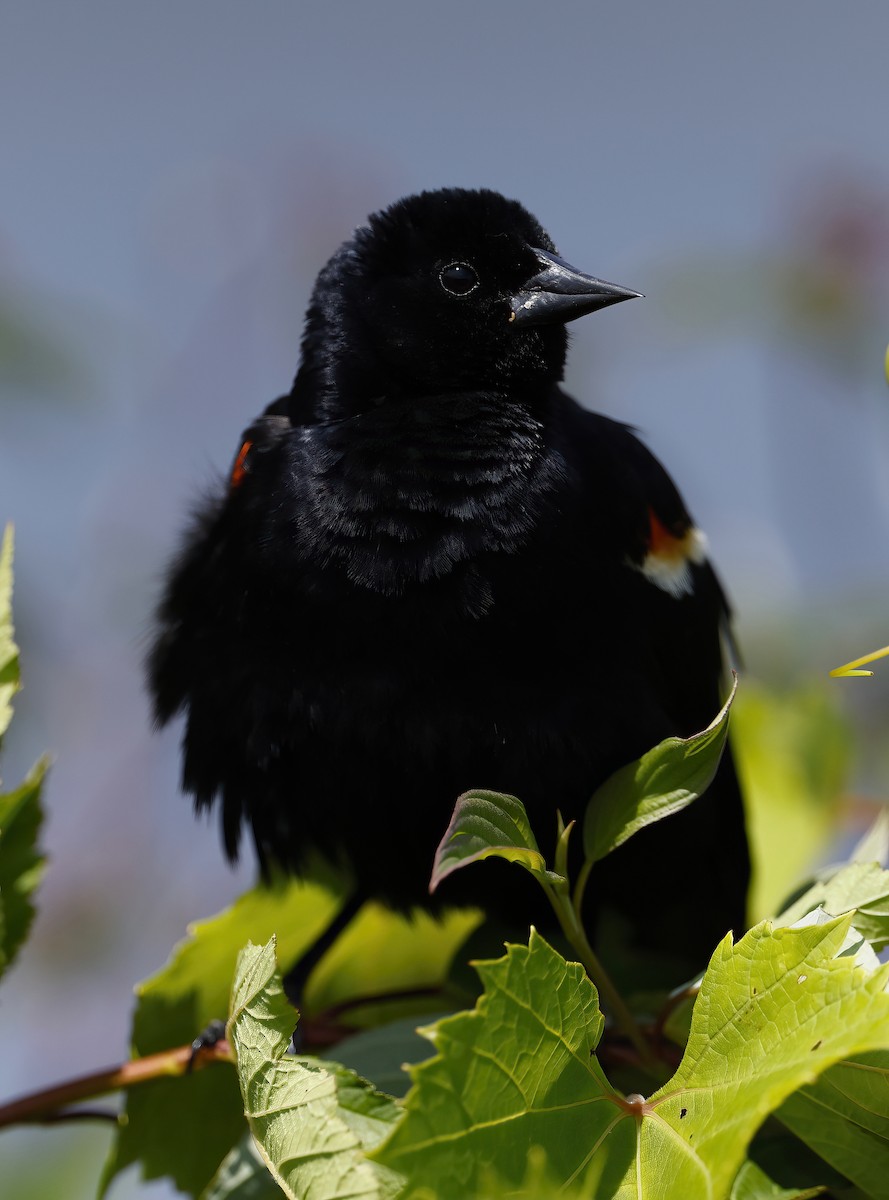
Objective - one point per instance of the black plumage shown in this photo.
(432, 570)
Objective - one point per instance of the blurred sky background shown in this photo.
(174, 174)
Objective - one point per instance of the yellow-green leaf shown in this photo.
(310, 1122)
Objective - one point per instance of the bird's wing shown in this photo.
(675, 614)
(264, 434)
(201, 658)
(686, 610)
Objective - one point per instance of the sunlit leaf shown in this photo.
(310, 1121)
(663, 781)
(844, 1117)
(793, 753)
(859, 888)
(773, 1012)
(387, 952)
(517, 1072)
(184, 1127)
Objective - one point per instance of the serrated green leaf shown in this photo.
(9, 651)
(858, 888)
(774, 1011)
(752, 1183)
(183, 1128)
(517, 1072)
(311, 1123)
(844, 1117)
(487, 825)
(21, 863)
(663, 781)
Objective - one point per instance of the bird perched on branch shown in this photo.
(431, 570)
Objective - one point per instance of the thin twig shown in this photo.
(43, 1105)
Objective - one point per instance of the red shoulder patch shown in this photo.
(241, 468)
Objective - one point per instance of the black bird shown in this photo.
(431, 570)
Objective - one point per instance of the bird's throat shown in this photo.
(413, 491)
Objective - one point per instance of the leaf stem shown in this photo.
(580, 888)
(46, 1104)
(614, 1002)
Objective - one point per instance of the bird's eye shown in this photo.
(458, 278)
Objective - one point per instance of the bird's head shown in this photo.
(452, 290)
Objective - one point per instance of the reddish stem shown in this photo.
(48, 1103)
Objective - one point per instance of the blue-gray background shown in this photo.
(174, 174)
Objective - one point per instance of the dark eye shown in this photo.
(458, 278)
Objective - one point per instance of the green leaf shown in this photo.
(21, 863)
(381, 1054)
(311, 1123)
(844, 1117)
(752, 1183)
(793, 752)
(9, 651)
(790, 1163)
(774, 1011)
(663, 781)
(858, 888)
(184, 1127)
(538, 1183)
(381, 952)
(486, 825)
(517, 1072)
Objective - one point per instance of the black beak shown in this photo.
(558, 293)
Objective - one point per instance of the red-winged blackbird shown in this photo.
(431, 570)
